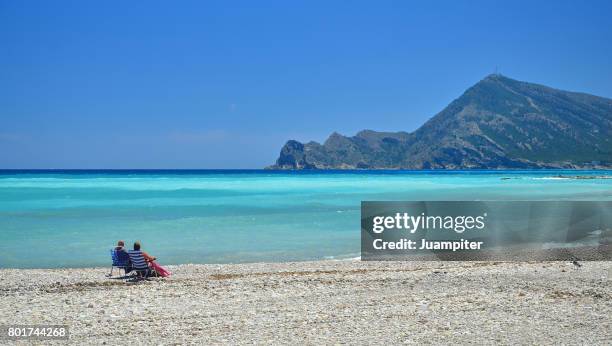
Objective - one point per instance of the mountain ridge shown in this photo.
(498, 123)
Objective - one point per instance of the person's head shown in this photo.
(120, 243)
(137, 246)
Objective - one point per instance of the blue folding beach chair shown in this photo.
(119, 262)
(139, 265)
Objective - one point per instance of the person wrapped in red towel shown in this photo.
(161, 271)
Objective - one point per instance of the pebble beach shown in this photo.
(324, 302)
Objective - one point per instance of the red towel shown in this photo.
(163, 272)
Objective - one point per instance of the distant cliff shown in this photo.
(497, 123)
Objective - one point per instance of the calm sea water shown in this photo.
(72, 218)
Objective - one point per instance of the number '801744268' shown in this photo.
(39, 332)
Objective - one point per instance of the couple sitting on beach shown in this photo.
(139, 260)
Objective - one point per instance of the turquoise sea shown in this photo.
(72, 218)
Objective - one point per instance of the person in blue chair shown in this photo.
(122, 255)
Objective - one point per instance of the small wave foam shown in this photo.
(349, 257)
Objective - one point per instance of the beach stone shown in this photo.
(326, 302)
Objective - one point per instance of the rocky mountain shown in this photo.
(497, 123)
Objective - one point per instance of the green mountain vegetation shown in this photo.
(497, 123)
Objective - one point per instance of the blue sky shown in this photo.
(208, 84)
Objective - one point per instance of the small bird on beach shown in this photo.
(576, 263)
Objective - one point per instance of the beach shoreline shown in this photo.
(332, 301)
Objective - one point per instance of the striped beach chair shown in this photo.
(139, 265)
